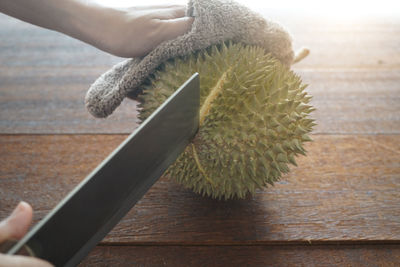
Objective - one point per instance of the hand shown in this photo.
(127, 32)
(15, 227)
(136, 31)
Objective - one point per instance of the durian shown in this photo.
(254, 119)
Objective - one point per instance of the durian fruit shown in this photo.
(253, 119)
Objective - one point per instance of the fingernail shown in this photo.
(17, 210)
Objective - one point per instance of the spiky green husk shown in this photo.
(253, 128)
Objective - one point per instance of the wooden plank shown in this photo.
(346, 189)
(23, 45)
(328, 255)
(43, 101)
(335, 42)
(354, 101)
(366, 42)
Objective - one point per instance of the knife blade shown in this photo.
(85, 216)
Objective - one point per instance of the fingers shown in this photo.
(15, 227)
(136, 32)
(17, 224)
(154, 7)
(171, 13)
(166, 13)
(22, 261)
(170, 29)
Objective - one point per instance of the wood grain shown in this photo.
(367, 42)
(25, 45)
(331, 255)
(44, 77)
(47, 101)
(346, 189)
(354, 101)
(41, 101)
(362, 42)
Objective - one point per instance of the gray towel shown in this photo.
(215, 21)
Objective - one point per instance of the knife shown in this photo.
(85, 216)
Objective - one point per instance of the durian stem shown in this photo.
(205, 108)
(300, 54)
(196, 158)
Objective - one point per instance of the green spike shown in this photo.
(278, 148)
(275, 166)
(300, 131)
(306, 138)
(292, 159)
(283, 167)
(282, 158)
(269, 155)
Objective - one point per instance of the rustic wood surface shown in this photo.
(310, 256)
(346, 189)
(340, 207)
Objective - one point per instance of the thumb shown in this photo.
(22, 261)
(17, 224)
(173, 28)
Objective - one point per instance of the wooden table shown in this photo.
(341, 206)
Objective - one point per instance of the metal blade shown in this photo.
(83, 218)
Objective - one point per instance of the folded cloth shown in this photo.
(215, 21)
